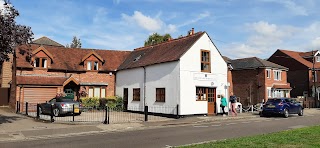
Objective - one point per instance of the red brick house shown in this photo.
(255, 80)
(300, 74)
(51, 68)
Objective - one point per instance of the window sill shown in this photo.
(160, 101)
(201, 100)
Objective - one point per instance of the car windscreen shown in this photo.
(274, 101)
(65, 100)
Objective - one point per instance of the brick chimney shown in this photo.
(192, 31)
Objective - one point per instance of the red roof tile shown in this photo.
(299, 57)
(70, 58)
(160, 53)
(41, 80)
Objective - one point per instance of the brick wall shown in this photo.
(6, 76)
(253, 83)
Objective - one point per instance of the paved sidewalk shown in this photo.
(15, 127)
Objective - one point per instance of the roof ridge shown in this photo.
(259, 60)
(44, 37)
(169, 41)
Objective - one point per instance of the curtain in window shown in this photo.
(89, 66)
(44, 62)
(90, 92)
(103, 92)
(97, 92)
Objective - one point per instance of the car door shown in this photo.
(292, 106)
(47, 106)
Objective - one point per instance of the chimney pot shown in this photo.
(192, 31)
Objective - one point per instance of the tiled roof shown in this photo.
(46, 41)
(160, 53)
(70, 58)
(253, 63)
(226, 59)
(40, 80)
(299, 57)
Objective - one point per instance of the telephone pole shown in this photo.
(314, 80)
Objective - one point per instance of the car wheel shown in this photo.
(286, 113)
(300, 112)
(56, 112)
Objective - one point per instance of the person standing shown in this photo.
(223, 104)
(233, 101)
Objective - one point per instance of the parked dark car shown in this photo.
(61, 106)
(281, 106)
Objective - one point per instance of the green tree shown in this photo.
(11, 36)
(76, 43)
(156, 38)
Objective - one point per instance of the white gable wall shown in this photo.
(164, 75)
(191, 76)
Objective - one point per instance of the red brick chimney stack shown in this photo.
(192, 31)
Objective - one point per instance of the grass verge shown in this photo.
(307, 137)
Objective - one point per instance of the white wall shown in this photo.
(131, 78)
(191, 76)
(165, 75)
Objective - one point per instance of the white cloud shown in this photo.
(146, 22)
(196, 19)
(315, 43)
(297, 9)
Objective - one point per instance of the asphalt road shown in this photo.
(174, 136)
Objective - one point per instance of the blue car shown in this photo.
(281, 106)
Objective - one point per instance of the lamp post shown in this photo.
(314, 79)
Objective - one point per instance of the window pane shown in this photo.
(97, 92)
(37, 62)
(90, 92)
(44, 63)
(95, 65)
(160, 94)
(103, 92)
(136, 94)
(205, 61)
(89, 66)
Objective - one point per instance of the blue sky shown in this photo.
(238, 28)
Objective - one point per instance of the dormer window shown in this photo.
(317, 58)
(40, 63)
(92, 65)
(96, 66)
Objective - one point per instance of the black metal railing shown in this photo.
(106, 115)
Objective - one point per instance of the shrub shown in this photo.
(90, 102)
(114, 101)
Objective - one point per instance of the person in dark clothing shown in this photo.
(233, 101)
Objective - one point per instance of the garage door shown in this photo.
(39, 95)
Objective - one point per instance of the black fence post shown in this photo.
(106, 116)
(145, 113)
(73, 112)
(27, 108)
(38, 111)
(177, 117)
(17, 111)
(51, 115)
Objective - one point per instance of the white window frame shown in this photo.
(268, 73)
(277, 75)
(269, 92)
